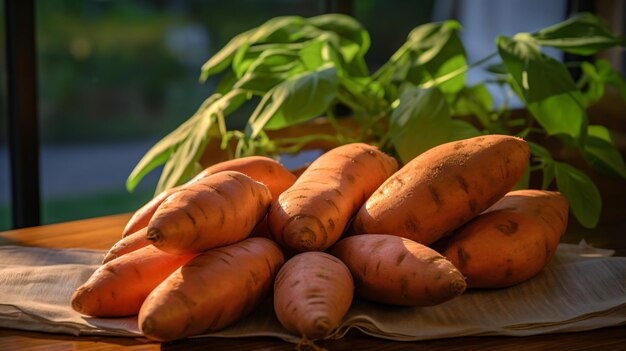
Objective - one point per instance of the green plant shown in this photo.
(300, 68)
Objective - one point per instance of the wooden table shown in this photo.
(101, 233)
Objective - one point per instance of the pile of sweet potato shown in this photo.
(201, 256)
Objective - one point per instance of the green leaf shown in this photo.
(600, 152)
(544, 157)
(224, 57)
(545, 86)
(463, 130)
(436, 50)
(353, 40)
(161, 151)
(583, 195)
(181, 164)
(582, 34)
(295, 100)
(420, 122)
(475, 100)
(540, 152)
(595, 84)
(596, 77)
(278, 30)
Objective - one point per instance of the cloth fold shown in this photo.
(582, 288)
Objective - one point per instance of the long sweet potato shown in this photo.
(312, 293)
(129, 243)
(211, 291)
(398, 271)
(511, 241)
(262, 169)
(119, 287)
(214, 211)
(444, 187)
(312, 214)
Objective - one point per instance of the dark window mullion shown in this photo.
(22, 113)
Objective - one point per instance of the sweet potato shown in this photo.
(119, 287)
(128, 244)
(262, 169)
(312, 214)
(443, 188)
(214, 211)
(312, 293)
(211, 291)
(398, 271)
(141, 217)
(511, 241)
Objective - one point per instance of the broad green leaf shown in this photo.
(583, 195)
(261, 82)
(161, 151)
(347, 28)
(545, 86)
(352, 42)
(600, 152)
(548, 175)
(475, 100)
(249, 54)
(583, 34)
(540, 152)
(436, 51)
(420, 122)
(463, 130)
(295, 100)
(320, 52)
(278, 29)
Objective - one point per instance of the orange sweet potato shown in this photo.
(312, 293)
(511, 241)
(312, 214)
(262, 169)
(128, 244)
(119, 287)
(214, 211)
(211, 291)
(394, 270)
(444, 187)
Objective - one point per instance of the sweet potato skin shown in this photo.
(142, 216)
(217, 210)
(511, 241)
(119, 287)
(128, 244)
(444, 187)
(313, 213)
(262, 169)
(398, 271)
(312, 293)
(211, 291)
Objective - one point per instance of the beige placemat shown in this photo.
(581, 289)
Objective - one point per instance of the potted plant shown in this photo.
(297, 69)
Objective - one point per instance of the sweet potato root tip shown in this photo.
(109, 257)
(313, 213)
(154, 235)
